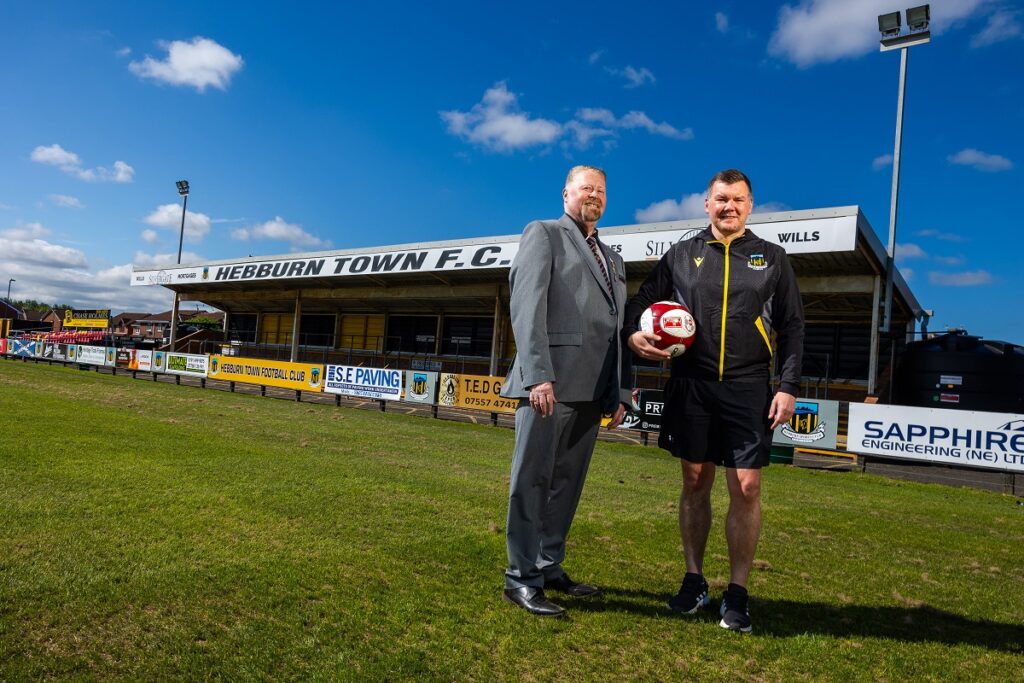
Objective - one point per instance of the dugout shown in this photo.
(444, 304)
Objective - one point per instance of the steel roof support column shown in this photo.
(873, 349)
(494, 334)
(296, 326)
(174, 320)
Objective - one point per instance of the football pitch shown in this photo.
(153, 531)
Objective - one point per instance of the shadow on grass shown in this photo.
(788, 618)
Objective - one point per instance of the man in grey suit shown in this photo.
(568, 291)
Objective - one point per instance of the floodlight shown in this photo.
(182, 187)
(889, 24)
(918, 18)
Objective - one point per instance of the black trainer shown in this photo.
(692, 595)
(735, 609)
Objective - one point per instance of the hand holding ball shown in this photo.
(673, 323)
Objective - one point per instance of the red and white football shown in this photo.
(671, 321)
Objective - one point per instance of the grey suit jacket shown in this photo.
(565, 321)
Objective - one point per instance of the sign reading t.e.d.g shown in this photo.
(271, 373)
(379, 383)
(481, 392)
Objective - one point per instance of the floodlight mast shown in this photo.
(182, 186)
(889, 27)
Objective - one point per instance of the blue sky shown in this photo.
(302, 128)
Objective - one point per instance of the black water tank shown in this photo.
(957, 370)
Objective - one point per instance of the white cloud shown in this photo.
(944, 236)
(907, 273)
(595, 56)
(878, 163)
(770, 207)
(25, 231)
(909, 250)
(281, 231)
(124, 52)
(817, 31)
(690, 206)
(632, 120)
(965, 279)
(201, 63)
(496, 123)
(634, 77)
(50, 272)
(70, 163)
(149, 236)
(23, 244)
(144, 260)
(950, 260)
(980, 161)
(721, 22)
(168, 217)
(66, 201)
(55, 155)
(1002, 25)
(5, 207)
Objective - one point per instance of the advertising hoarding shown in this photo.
(948, 437)
(420, 386)
(91, 355)
(134, 359)
(93, 319)
(53, 351)
(480, 392)
(813, 425)
(187, 364)
(271, 373)
(378, 383)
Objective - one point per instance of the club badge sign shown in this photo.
(379, 383)
(814, 424)
(420, 386)
(271, 373)
(480, 392)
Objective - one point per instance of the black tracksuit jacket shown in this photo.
(739, 294)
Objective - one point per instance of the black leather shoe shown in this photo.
(564, 584)
(533, 601)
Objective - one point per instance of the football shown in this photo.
(673, 323)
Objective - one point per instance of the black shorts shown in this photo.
(725, 423)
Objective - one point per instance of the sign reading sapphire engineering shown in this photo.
(378, 383)
(988, 440)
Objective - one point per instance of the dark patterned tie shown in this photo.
(592, 241)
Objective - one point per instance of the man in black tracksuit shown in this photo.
(719, 409)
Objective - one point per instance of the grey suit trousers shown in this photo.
(549, 465)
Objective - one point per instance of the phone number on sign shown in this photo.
(490, 403)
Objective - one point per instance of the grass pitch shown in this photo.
(150, 531)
